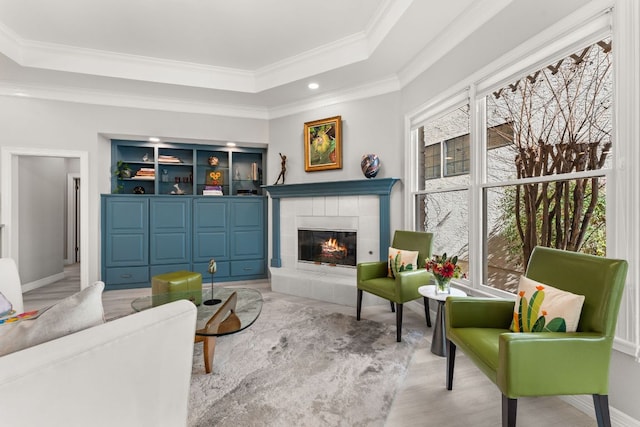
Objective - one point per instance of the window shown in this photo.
(432, 161)
(558, 123)
(442, 205)
(456, 155)
(559, 174)
(446, 136)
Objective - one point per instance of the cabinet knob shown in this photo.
(126, 276)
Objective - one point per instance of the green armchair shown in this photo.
(544, 363)
(372, 277)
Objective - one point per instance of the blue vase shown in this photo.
(370, 165)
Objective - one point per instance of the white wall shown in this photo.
(41, 195)
(372, 125)
(33, 123)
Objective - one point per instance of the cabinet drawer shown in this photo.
(154, 270)
(123, 275)
(247, 268)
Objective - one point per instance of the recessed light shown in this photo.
(313, 86)
(231, 144)
(154, 139)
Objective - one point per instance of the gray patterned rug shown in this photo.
(301, 366)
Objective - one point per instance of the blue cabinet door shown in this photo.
(126, 233)
(170, 230)
(247, 230)
(210, 225)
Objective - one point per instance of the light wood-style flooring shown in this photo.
(422, 400)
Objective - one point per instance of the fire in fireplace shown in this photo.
(327, 247)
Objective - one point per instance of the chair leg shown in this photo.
(359, 304)
(399, 323)
(451, 362)
(601, 404)
(509, 411)
(426, 311)
(393, 307)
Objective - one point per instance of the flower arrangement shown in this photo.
(444, 269)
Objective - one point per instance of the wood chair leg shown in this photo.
(359, 304)
(208, 350)
(451, 362)
(427, 311)
(398, 323)
(509, 411)
(393, 307)
(601, 404)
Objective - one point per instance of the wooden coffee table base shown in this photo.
(218, 324)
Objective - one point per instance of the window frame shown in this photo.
(586, 26)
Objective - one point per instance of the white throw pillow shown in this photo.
(401, 260)
(75, 313)
(543, 308)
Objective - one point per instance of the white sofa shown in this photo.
(133, 371)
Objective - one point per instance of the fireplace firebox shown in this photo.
(333, 247)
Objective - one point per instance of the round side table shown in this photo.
(439, 340)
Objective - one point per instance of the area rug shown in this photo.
(302, 366)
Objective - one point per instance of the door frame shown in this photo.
(72, 217)
(9, 201)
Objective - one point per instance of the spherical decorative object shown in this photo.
(370, 165)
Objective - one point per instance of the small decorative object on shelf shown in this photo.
(165, 175)
(444, 269)
(370, 165)
(138, 190)
(283, 168)
(213, 161)
(145, 158)
(123, 170)
(177, 190)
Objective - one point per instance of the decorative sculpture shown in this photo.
(283, 166)
(212, 269)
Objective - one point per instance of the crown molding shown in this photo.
(464, 25)
(95, 97)
(346, 51)
(379, 87)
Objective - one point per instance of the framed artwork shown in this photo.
(323, 144)
(214, 177)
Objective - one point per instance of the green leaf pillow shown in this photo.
(543, 308)
(401, 260)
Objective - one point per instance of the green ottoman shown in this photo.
(177, 285)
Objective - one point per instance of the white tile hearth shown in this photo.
(334, 284)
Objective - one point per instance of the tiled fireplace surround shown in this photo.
(361, 205)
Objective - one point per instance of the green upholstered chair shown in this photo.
(544, 363)
(372, 277)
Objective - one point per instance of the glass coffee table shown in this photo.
(239, 308)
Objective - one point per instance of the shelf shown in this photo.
(190, 167)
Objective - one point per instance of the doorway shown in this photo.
(10, 206)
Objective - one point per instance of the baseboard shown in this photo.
(584, 404)
(42, 282)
